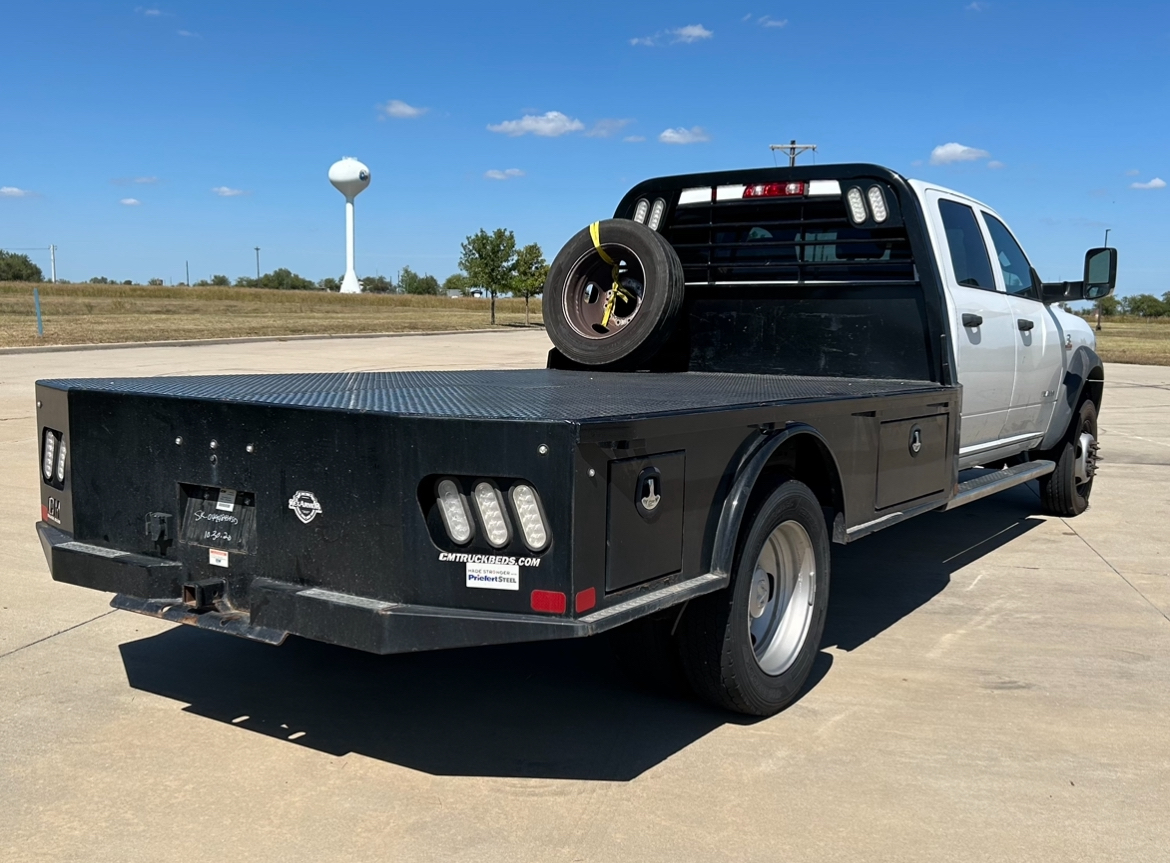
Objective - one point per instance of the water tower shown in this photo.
(350, 177)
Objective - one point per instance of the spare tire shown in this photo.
(593, 323)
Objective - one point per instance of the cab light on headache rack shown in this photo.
(491, 514)
(453, 509)
(656, 214)
(640, 211)
(50, 452)
(857, 210)
(877, 204)
(775, 190)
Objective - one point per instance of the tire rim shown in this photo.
(589, 289)
(780, 602)
(1085, 464)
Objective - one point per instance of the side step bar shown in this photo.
(998, 480)
(986, 484)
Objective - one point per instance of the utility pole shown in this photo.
(1107, 230)
(187, 264)
(53, 262)
(793, 150)
(257, 264)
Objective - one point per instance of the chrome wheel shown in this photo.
(1085, 464)
(781, 597)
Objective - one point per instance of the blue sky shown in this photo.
(220, 121)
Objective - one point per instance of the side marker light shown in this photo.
(549, 601)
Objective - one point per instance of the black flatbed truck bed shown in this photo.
(371, 567)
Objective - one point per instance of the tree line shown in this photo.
(491, 263)
(1136, 305)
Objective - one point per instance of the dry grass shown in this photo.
(94, 314)
(1135, 340)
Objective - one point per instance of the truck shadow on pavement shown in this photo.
(557, 710)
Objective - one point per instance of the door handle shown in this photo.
(970, 320)
(1024, 324)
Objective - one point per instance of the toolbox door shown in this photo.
(912, 459)
(645, 519)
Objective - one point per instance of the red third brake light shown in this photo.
(775, 190)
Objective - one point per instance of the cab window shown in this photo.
(1017, 272)
(965, 241)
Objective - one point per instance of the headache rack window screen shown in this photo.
(787, 241)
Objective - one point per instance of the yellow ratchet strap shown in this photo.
(595, 235)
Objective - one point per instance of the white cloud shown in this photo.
(691, 33)
(13, 192)
(1133, 172)
(769, 21)
(149, 13)
(509, 174)
(130, 202)
(188, 34)
(146, 180)
(550, 125)
(1156, 183)
(686, 35)
(693, 135)
(747, 17)
(227, 192)
(976, 6)
(995, 164)
(634, 139)
(947, 154)
(607, 128)
(399, 110)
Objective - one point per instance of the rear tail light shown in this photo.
(857, 210)
(550, 601)
(453, 508)
(50, 450)
(528, 510)
(640, 210)
(775, 190)
(656, 214)
(491, 513)
(877, 204)
(61, 461)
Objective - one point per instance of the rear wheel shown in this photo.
(750, 648)
(1066, 490)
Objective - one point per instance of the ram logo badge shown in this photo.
(305, 505)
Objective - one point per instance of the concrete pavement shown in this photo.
(993, 685)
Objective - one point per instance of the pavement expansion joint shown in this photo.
(59, 632)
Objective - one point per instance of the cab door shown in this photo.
(1038, 340)
(982, 324)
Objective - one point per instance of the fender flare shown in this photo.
(1076, 379)
(735, 504)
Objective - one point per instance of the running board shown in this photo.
(971, 490)
(997, 481)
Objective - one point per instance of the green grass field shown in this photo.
(96, 314)
(93, 314)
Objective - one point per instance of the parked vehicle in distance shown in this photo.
(749, 366)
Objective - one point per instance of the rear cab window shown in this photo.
(965, 241)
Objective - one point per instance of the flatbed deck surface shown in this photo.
(516, 394)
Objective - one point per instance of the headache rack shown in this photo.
(812, 270)
(788, 241)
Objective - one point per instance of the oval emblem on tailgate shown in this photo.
(305, 505)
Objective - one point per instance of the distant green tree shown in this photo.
(1144, 306)
(410, 282)
(1109, 305)
(245, 282)
(18, 268)
(99, 280)
(284, 279)
(376, 285)
(220, 281)
(456, 282)
(329, 284)
(128, 282)
(154, 282)
(529, 274)
(489, 261)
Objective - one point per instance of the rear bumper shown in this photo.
(154, 587)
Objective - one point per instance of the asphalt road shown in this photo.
(993, 685)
